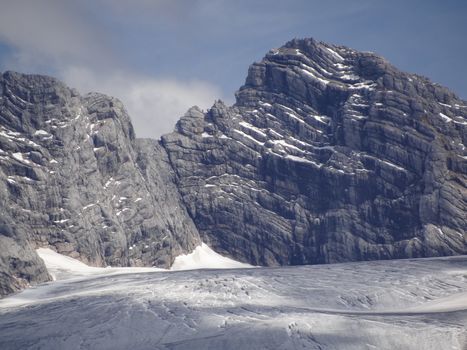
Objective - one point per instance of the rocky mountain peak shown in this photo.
(328, 155)
(74, 177)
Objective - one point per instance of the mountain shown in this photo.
(74, 177)
(328, 155)
(409, 304)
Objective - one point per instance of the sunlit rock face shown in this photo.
(73, 176)
(328, 155)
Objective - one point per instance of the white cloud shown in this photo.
(53, 30)
(62, 38)
(154, 105)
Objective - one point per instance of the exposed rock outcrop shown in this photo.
(328, 155)
(74, 177)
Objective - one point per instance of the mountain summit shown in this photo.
(328, 155)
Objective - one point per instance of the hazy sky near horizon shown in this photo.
(162, 56)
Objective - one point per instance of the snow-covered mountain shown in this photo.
(387, 305)
(328, 155)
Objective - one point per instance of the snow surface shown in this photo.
(315, 77)
(335, 54)
(445, 117)
(19, 156)
(248, 137)
(398, 304)
(252, 127)
(62, 267)
(204, 257)
(41, 132)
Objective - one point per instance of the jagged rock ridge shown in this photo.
(328, 155)
(74, 177)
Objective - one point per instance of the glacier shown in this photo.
(397, 304)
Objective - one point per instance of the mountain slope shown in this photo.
(73, 176)
(328, 155)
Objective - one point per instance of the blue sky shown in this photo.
(162, 56)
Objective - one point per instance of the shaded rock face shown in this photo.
(328, 155)
(73, 176)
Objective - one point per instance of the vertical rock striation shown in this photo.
(74, 177)
(328, 155)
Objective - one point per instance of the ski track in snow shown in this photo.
(397, 304)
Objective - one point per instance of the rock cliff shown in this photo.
(74, 177)
(328, 155)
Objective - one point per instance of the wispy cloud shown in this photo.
(162, 56)
(155, 105)
(53, 30)
(64, 38)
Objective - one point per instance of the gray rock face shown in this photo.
(328, 155)
(73, 177)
